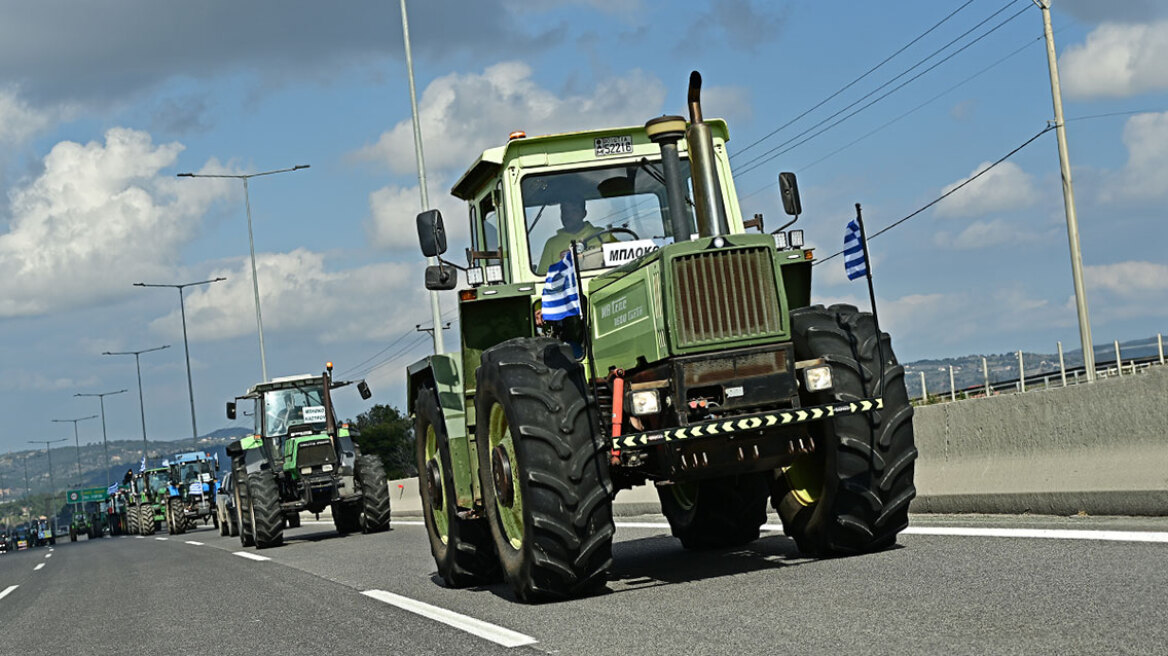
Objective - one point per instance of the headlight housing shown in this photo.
(817, 378)
(646, 402)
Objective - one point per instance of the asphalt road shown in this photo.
(955, 585)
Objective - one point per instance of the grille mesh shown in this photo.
(315, 453)
(724, 295)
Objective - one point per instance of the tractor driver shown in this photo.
(572, 213)
(287, 414)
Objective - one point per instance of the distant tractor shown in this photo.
(191, 493)
(147, 500)
(300, 459)
(663, 339)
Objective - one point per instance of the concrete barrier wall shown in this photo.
(1100, 448)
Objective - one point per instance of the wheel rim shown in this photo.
(435, 476)
(510, 516)
(805, 478)
(685, 494)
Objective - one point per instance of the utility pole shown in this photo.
(77, 441)
(104, 440)
(49, 453)
(435, 308)
(1068, 196)
(141, 403)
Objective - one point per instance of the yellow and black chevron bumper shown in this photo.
(747, 423)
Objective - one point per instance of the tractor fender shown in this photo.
(443, 373)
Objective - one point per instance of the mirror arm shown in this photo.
(785, 225)
(463, 269)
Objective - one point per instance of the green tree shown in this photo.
(388, 434)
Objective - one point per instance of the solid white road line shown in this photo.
(250, 556)
(197, 544)
(38, 567)
(485, 630)
(1049, 533)
(8, 591)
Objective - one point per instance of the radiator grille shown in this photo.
(724, 295)
(310, 454)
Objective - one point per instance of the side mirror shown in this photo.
(234, 449)
(789, 190)
(231, 409)
(441, 277)
(363, 390)
(431, 233)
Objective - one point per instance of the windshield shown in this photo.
(189, 472)
(288, 407)
(158, 480)
(594, 207)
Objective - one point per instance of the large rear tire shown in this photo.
(146, 519)
(462, 548)
(374, 494)
(347, 517)
(132, 520)
(716, 513)
(242, 509)
(543, 470)
(851, 494)
(266, 517)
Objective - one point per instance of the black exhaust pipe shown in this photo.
(711, 211)
(666, 131)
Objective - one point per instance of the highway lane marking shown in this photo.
(38, 567)
(161, 538)
(197, 544)
(8, 591)
(485, 630)
(140, 537)
(48, 555)
(1047, 533)
(250, 556)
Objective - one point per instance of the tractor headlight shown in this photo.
(646, 402)
(817, 378)
(306, 470)
(326, 467)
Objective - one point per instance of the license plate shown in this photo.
(610, 146)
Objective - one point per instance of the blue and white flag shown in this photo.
(112, 489)
(142, 467)
(854, 263)
(561, 298)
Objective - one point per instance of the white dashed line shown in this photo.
(250, 556)
(8, 591)
(197, 544)
(485, 630)
(161, 538)
(140, 537)
(48, 555)
(38, 567)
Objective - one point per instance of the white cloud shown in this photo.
(1145, 175)
(464, 114)
(99, 217)
(1117, 60)
(1005, 187)
(984, 234)
(19, 121)
(35, 381)
(1130, 279)
(299, 293)
(393, 212)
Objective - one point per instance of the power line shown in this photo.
(950, 192)
(853, 82)
(1134, 111)
(786, 145)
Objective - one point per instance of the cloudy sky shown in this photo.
(101, 104)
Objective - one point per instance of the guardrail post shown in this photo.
(924, 390)
(1118, 361)
(952, 387)
(1021, 374)
(1062, 365)
(985, 372)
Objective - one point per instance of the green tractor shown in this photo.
(672, 343)
(300, 459)
(147, 500)
(83, 524)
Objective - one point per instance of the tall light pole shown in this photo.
(49, 453)
(77, 441)
(435, 308)
(104, 440)
(186, 346)
(1068, 196)
(141, 404)
(251, 243)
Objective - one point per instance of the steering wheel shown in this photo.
(608, 231)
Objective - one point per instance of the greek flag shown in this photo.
(142, 467)
(112, 489)
(854, 263)
(560, 295)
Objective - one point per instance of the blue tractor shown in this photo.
(192, 489)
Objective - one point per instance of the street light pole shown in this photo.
(104, 440)
(251, 243)
(435, 308)
(77, 441)
(186, 346)
(141, 403)
(1068, 197)
(49, 453)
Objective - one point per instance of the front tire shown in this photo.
(716, 513)
(462, 548)
(851, 495)
(374, 494)
(347, 517)
(176, 523)
(543, 470)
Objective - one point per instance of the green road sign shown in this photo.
(85, 496)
